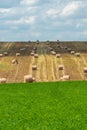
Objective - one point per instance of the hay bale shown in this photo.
(60, 67)
(29, 78)
(53, 52)
(50, 48)
(32, 53)
(14, 61)
(34, 67)
(72, 52)
(22, 49)
(5, 53)
(1, 55)
(35, 48)
(65, 77)
(69, 49)
(2, 80)
(17, 54)
(58, 55)
(85, 70)
(36, 55)
(77, 54)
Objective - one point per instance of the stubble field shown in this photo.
(47, 63)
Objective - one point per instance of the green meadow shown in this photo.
(44, 106)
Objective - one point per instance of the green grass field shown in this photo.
(44, 106)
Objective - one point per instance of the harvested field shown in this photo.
(47, 64)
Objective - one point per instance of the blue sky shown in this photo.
(23, 20)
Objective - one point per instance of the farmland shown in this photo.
(44, 106)
(47, 63)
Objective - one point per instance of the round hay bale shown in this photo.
(32, 53)
(14, 61)
(60, 67)
(58, 55)
(34, 67)
(36, 55)
(29, 78)
(53, 52)
(65, 77)
(22, 49)
(72, 52)
(50, 48)
(35, 48)
(2, 80)
(85, 70)
(69, 49)
(17, 54)
(77, 54)
(5, 53)
(1, 55)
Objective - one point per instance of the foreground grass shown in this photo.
(44, 106)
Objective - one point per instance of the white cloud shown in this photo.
(28, 2)
(7, 10)
(52, 12)
(3, 10)
(24, 20)
(70, 8)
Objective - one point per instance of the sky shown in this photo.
(24, 20)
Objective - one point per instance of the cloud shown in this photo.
(52, 13)
(28, 2)
(24, 20)
(70, 8)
